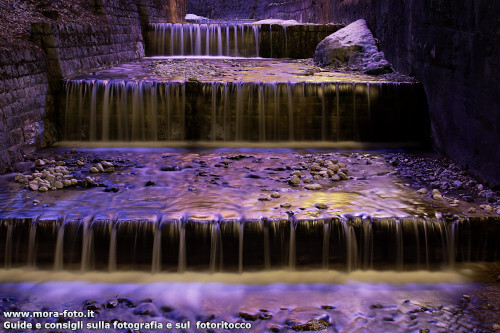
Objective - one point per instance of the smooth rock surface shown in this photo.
(354, 47)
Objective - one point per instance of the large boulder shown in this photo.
(354, 48)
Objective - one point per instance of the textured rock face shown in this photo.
(353, 47)
(453, 48)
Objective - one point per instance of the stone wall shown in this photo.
(299, 10)
(23, 99)
(453, 47)
(31, 73)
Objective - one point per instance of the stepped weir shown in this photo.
(174, 207)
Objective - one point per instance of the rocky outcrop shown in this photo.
(353, 48)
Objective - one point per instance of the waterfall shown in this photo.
(120, 110)
(240, 40)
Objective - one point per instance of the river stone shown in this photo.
(321, 205)
(294, 181)
(335, 177)
(275, 195)
(423, 191)
(313, 187)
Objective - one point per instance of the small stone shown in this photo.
(316, 177)
(275, 195)
(376, 306)
(286, 205)
(294, 181)
(466, 298)
(247, 316)
(60, 163)
(342, 165)
(36, 202)
(150, 183)
(342, 175)
(313, 187)
(74, 181)
(73, 151)
(435, 191)
(43, 189)
(480, 187)
(321, 205)
(80, 163)
(423, 191)
(39, 162)
(472, 210)
(109, 170)
(296, 173)
(112, 303)
(58, 184)
(67, 182)
(264, 198)
(99, 167)
(335, 177)
(307, 180)
(94, 170)
(334, 167)
(107, 164)
(33, 187)
(437, 197)
(488, 209)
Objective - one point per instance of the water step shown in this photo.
(243, 100)
(156, 244)
(236, 39)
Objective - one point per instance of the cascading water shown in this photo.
(118, 110)
(237, 40)
(235, 246)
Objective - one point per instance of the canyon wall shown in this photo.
(454, 49)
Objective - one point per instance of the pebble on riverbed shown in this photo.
(51, 178)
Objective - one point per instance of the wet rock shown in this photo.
(321, 205)
(423, 191)
(335, 177)
(313, 187)
(253, 176)
(342, 175)
(92, 305)
(264, 198)
(112, 303)
(286, 205)
(167, 308)
(327, 307)
(107, 164)
(109, 170)
(472, 210)
(94, 170)
(312, 325)
(247, 316)
(33, 187)
(43, 189)
(127, 302)
(171, 168)
(80, 163)
(265, 316)
(113, 189)
(146, 309)
(275, 195)
(294, 181)
(150, 183)
(436, 195)
(39, 162)
(376, 306)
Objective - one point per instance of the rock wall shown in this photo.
(31, 73)
(23, 98)
(453, 48)
(299, 10)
